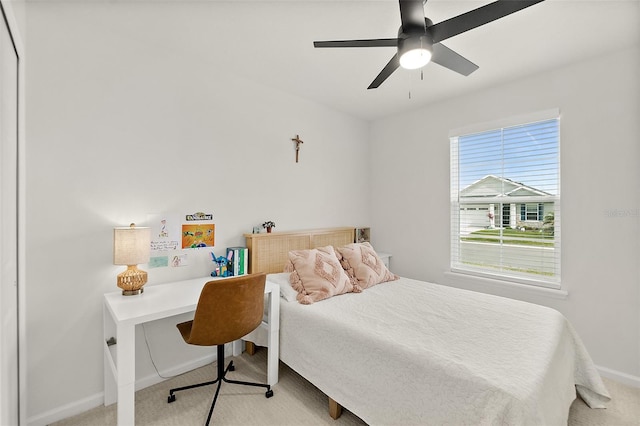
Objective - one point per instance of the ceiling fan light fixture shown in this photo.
(414, 59)
(414, 52)
(417, 35)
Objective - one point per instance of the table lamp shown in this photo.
(131, 246)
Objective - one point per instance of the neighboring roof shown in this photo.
(494, 186)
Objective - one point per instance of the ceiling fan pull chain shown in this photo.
(421, 76)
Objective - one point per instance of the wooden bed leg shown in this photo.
(250, 347)
(335, 409)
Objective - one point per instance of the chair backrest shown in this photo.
(228, 309)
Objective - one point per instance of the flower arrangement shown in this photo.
(269, 224)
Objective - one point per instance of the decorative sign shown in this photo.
(199, 216)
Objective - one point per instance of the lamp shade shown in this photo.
(131, 245)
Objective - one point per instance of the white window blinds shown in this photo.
(505, 202)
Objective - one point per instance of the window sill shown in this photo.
(463, 278)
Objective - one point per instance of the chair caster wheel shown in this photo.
(269, 393)
(171, 398)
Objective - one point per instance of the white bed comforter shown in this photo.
(409, 352)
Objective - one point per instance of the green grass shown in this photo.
(511, 236)
(507, 268)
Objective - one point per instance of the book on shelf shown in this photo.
(238, 260)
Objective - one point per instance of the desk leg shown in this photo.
(274, 336)
(126, 374)
(108, 330)
(110, 395)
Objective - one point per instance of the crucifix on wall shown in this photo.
(297, 141)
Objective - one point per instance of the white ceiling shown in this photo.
(272, 42)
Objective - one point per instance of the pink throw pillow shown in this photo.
(318, 275)
(362, 263)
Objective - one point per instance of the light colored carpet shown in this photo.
(295, 402)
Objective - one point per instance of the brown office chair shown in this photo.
(227, 310)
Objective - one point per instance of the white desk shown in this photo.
(122, 313)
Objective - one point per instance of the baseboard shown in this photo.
(96, 400)
(627, 379)
(67, 410)
(153, 379)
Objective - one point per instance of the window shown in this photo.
(505, 195)
(532, 211)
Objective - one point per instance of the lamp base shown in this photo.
(132, 292)
(132, 280)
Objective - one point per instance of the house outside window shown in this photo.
(505, 201)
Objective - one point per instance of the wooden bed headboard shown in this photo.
(268, 252)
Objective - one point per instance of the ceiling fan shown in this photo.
(419, 39)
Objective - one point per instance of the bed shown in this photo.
(412, 352)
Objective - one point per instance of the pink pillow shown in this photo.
(362, 263)
(318, 275)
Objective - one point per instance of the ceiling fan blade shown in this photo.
(393, 65)
(446, 57)
(376, 42)
(477, 17)
(412, 15)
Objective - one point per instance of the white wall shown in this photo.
(600, 171)
(122, 123)
(11, 148)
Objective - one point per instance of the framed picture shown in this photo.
(363, 235)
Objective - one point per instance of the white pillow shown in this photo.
(286, 291)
